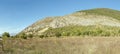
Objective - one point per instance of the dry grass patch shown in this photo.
(63, 45)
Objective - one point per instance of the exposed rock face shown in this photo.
(78, 18)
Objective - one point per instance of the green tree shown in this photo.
(5, 34)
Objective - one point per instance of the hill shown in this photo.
(92, 22)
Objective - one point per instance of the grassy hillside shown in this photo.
(96, 30)
(103, 11)
(83, 31)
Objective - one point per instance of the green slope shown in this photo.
(83, 31)
(103, 11)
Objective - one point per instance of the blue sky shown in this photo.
(15, 15)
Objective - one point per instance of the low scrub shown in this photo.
(83, 31)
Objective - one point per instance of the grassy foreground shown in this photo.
(63, 45)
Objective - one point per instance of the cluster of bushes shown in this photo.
(83, 31)
(24, 36)
(20, 35)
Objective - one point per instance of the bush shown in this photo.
(30, 36)
(23, 35)
(41, 36)
(5, 34)
(57, 34)
(85, 32)
(106, 34)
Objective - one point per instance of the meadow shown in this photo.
(62, 45)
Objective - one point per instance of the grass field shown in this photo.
(63, 45)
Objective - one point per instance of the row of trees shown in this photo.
(22, 35)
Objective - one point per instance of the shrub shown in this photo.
(106, 34)
(30, 36)
(5, 34)
(57, 34)
(23, 35)
(85, 33)
(41, 36)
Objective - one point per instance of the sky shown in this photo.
(16, 15)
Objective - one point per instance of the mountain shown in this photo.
(85, 21)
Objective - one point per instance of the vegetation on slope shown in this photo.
(103, 11)
(96, 30)
(103, 16)
(83, 31)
